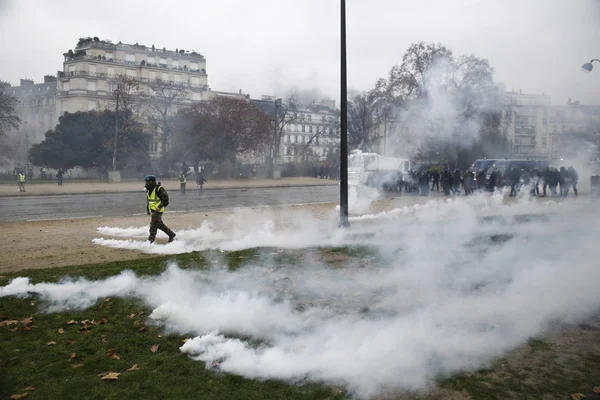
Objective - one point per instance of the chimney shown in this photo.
(26, 82)
(49, 78)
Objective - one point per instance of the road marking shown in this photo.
(61, 219)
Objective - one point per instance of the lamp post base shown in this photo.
(114, 176)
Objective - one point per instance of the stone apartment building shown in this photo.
(526, 124)
(37, 109)
(90, 75)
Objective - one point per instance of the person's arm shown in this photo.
(163, 196)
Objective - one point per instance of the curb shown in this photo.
(177, 190)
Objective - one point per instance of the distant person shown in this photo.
(15, 174)
(436, 180)
(480, 177)
(468, 180)
(158, 199)
(43, 173)
(183, 180)
(200, 181)
(59, 176)
(21, 177)
(564, 181)
(574, 179)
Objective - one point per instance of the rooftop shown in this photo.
(95, 42)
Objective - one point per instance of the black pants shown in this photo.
(182, 187)
(156, 223)
(436, 183)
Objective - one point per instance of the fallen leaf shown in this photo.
(107, 300)
(29, 388)
(154, 348)
(141, 313)
(19, 396)
(8, 322)
(94, 322)
(71, 322)
(114, 356)
(131, 316)
(104, 321)
(61, 330)
(27, 328)
(103, 339)
(578, 396)
(76, 365)
(596, 389)
(2, 277)
(72, 357)
(142, 329)
(134, 368)
(137, 322)
(111, 376)
(50, 343)
(13, 329)
(69, 341)
(27, 321)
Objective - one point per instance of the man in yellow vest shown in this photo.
(183, 180)
(21, 181)
(158, 199)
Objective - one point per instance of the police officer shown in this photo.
(158, 199)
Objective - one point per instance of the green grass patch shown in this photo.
(64, 360)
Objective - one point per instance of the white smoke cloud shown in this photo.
(458, 283)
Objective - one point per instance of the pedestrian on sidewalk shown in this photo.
(183, 180)
(59, 177)
(158, 199)
(21, 177)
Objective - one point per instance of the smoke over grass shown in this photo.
(450, 285)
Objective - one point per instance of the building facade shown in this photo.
(526, 124)
(312, 134)
(36, 108)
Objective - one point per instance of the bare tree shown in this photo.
(362, 122)
(8, 117)
(161, 103)
(131, 99)
(329, 130)
(285, 113)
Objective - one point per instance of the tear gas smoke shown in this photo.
(453, 285)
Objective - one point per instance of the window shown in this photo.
(66, 86)
(92, 68)
(303, 128)
(110, 70)
(175, 64)
(91, 105)
(152, 75)
(310, 128)
(193, 66)
(132, 73)
(108, 55)
(298, 139)
(91, 85)
(287, 138)
(165, 76)
(130, 58)
(177, 78)
(196, 96)
(195, 80)
(309, 117)
(317, 141)
(112, 86)
(163, 61)
(72, 68)
(544, 142)
(288, 151)
(150, 60)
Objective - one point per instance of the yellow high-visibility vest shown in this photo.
(154, 201)
(21, 178)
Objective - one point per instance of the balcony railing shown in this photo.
(133, 63)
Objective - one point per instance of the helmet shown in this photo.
(151, 178)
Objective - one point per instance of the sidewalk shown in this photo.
(170, 185)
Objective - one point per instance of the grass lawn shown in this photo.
(65, 355)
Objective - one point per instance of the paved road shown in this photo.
(125, 204)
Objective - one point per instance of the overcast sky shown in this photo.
(270, 46)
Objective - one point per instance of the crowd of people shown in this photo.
(467, 182)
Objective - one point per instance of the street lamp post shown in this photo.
(115, 176)
(343, 125)
(588, 67)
